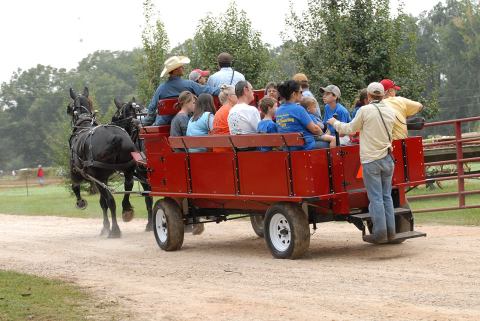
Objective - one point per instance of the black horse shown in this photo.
(126, 117)
(96, 152)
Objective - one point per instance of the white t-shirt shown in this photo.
(243, 119)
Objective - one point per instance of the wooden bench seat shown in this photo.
(238, 141)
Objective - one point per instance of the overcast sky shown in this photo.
(62, 32)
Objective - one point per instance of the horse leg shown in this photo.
(127, 209)
(106, 222)
(81, 203)
(149, 205)
(110, 201)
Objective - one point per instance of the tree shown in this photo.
(352, 43)
(33, 115)
(450, 42)
(108, 74)
(31, 103)
(231, 32)
(155, 47)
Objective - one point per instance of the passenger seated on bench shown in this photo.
(228, 99)
(243, 118)
(268, 106)
(186, 105)
(271, 90)
(175, 84)
(202, 120)
(291, 117)
(310, 104)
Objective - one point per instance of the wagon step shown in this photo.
(367, 216)
(402, 236)
(409, 235)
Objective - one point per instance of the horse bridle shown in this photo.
(127, 122)
(77, 114)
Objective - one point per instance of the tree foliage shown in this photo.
(230, 32)
(346, 42)
(33, 113)
(155, 48)
(351, 43)
(450, 41)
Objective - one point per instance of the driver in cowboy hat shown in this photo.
(175, 84)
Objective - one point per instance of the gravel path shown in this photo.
(227, 273)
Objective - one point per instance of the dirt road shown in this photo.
(228, 274)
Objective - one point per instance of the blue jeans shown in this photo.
(377, 177)
(319, 144)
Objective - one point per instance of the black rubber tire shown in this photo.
(258, 222)
(299, 230)
(174, 225)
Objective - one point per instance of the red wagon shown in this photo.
(283, 192)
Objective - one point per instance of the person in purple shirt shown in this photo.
(174, 67)
(292, 118)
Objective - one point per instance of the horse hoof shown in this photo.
(149, 227)
(105, 231)
(114, 235)
(127, 215)
(81, 204)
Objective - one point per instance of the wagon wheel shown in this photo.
(257, 222)
(287, 232)
(169, 227)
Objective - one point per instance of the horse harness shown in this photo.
(83, 139)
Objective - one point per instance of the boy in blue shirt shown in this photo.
(331, 95)
(268, 106)
(310, 104)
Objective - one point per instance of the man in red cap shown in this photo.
(403, 108)
(199, 76)
(390, 87)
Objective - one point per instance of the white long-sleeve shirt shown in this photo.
(374, 141)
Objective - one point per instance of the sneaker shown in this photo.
(371, 239)
(391, 237)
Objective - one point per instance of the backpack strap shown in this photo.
(233, 73)
(385, 125)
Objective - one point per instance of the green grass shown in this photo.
(457, 217)
(58, 201)
(26, 297)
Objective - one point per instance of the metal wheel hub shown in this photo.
(161, 225)
(280, 232)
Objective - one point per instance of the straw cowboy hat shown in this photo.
(173, 63)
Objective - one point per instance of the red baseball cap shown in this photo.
(389, 84)
(203, 73)
(197, 73)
